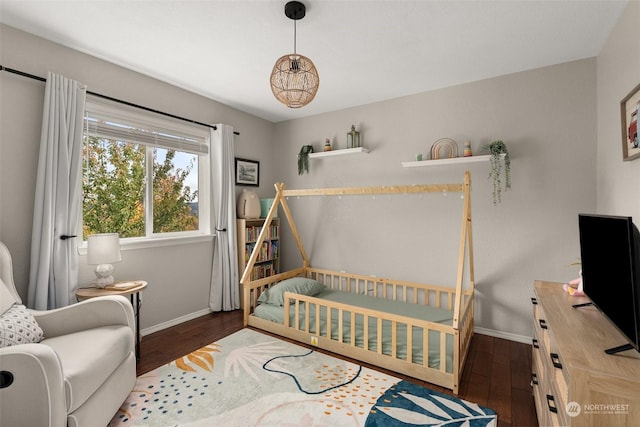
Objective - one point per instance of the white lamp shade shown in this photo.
(103, 248)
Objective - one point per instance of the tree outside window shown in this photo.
(115, 188)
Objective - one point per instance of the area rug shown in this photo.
(254, 379)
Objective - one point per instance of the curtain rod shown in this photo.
(130, 104)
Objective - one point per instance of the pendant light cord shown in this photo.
(294, 36)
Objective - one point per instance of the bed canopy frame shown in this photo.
(466, 241)
(459, 300)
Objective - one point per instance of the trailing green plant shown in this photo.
(496, 150)
(303, 159)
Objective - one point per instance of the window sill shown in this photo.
(133, 244)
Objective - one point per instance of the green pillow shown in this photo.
(299, 285)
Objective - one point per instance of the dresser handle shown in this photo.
(534, 301)
(543, 323)
(555, 359)
(551, 403)
(534, 378)
(535, 343)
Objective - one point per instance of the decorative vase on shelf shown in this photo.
(467, 149)
(353, 138)
(327, 145)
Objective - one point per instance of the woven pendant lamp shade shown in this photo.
(294, 80)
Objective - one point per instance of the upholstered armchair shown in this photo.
(79, 368)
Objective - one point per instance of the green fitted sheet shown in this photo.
(437, 315)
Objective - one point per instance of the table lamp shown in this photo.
(103, 249)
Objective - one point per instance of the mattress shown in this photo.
(436, 315)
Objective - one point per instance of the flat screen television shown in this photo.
(610, 257)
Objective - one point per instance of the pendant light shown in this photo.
(294, 79)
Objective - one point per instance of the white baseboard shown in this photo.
(505, 335)
(173, 322)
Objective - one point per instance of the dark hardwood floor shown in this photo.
(497, 374)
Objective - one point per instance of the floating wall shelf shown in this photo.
(451, 161)
(342, 152)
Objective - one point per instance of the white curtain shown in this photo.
(53, 276)
(225, 291)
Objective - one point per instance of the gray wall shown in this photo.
(547, 117)
(618, 74)
(179, 275)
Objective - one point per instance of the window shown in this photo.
(144, 176)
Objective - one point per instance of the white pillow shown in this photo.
(18, 326)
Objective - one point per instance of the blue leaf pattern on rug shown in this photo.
(408, 404)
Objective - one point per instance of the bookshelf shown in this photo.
(268, 262)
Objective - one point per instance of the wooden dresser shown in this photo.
(575, 383)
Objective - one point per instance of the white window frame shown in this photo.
(196, 140)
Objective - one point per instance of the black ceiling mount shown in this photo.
(294, 10)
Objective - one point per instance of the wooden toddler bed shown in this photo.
(420, 330)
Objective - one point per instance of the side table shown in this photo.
(134, 296)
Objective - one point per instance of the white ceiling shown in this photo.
(365, 51)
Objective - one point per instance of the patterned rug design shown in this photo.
(253, 379)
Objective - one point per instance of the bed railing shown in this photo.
(397, 290)
(332, 339)
(465, 328)
(338, 322)
(253, 289)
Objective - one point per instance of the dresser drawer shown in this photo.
(549, 349)
(547, 365)
(539, 384)
(540, 324)
(558, 378)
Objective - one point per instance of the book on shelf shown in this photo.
(248, 249)
(262, 270)
(124, 286)
(268, 251)
(253, 231)
(274, 231)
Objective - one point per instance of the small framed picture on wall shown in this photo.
(247, 172)
(629, 111)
